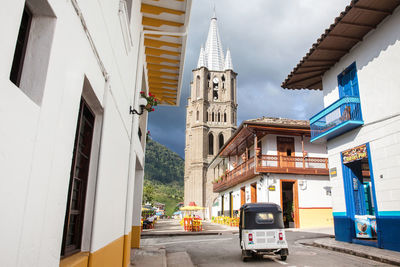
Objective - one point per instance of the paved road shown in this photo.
(224, 250)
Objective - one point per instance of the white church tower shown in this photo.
(210, 115)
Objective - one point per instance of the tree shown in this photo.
(148, 193)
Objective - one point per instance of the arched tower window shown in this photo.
(212, 117)
(232, 90)
(198, 87)
(215, 82)
(225, 117)
(207, 116)
(220, 140)
(223, 81)
(197, 115)
(210, 144)
(219, 117)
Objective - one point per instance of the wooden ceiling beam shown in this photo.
(146, 21)
(332, 49)
(357, 24)
(310, 71)
(158, 43)
(321, 60)
(304, 79)
(316, 66)
(375, 10)
(344, 37)
(162, 89)
(155, 84)
(157, 10)
(154, 89)
(167, 101)
(158, 60)
(160, 67)
(155, 79)
(162, 73)
(160, 52)
(313, 84)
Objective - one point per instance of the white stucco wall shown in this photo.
(37, 138)
(311, 195)
(377, 58)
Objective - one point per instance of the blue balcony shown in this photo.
(336, 119)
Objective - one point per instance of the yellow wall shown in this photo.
(135, 243)
(77, 260)
(315, 217)
(110, 255)
(117, 253)
(127, 249)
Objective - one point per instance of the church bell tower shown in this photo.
(210, 116)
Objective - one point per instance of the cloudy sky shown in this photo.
(267, 39)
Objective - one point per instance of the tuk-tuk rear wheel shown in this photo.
(245, 255)
(283, 258)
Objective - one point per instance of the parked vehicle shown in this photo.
(261, 231)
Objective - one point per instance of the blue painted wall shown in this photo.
(389, 228)
(344, 228)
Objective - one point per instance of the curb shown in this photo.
(354, 253)
(183, 234)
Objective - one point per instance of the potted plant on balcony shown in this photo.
(151, 101)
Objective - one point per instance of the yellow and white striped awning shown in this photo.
(165, 25)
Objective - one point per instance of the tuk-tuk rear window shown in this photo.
(264, 218)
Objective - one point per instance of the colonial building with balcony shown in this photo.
(273, 160)
(355, 64)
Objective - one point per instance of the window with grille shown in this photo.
(73, 224)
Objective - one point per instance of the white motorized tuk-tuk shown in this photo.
(261, 231)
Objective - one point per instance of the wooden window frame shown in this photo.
(68, 249)
(18, 64)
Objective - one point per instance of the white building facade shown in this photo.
(283, 168)
(361, 122)
(72, 154)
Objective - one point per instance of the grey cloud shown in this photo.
(267, 39)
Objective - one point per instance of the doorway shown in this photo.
(253, 191)
(285, 147)
(290, 203)
(231, 204)
(242, 196)
(360, 193)
(222, 206)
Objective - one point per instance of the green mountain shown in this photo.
(163, 176)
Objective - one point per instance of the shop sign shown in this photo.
(354, 154)
(333, 172)
(271, 188)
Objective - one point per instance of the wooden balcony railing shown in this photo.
(272, 164)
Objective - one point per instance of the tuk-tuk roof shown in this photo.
(250, 210)
(262, 206)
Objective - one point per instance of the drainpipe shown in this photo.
(131, 169)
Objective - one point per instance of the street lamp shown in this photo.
(142, 105)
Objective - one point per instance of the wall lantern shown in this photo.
(303, 184)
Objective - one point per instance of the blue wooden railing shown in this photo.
(343, 115)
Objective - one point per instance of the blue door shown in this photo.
(348, 82)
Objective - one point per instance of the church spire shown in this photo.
(202, 59)
(228, 61)
(213, 51)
